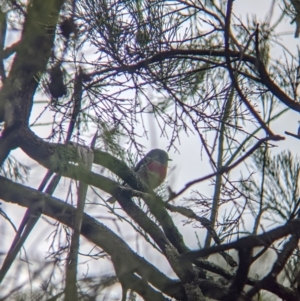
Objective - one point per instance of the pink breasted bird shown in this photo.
(152, 169)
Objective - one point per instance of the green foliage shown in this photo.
(15, 170)
(274, 187)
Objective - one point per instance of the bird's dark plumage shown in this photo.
(157, 155)
(152, 169)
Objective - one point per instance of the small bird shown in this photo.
(152, 169)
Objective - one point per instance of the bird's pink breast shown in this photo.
(158, 168)
(153, 173)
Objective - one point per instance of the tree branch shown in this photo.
(94, 231)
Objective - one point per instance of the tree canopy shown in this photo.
(85, 86)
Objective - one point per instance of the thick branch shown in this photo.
(93, 231)
(31, 58)
(262, 240)
(56, 157)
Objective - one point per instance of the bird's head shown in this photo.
(159, 155)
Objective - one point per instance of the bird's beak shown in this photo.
(172, 160)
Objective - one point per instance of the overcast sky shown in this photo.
(187, 165)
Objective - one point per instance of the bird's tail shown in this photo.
(111, 200)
